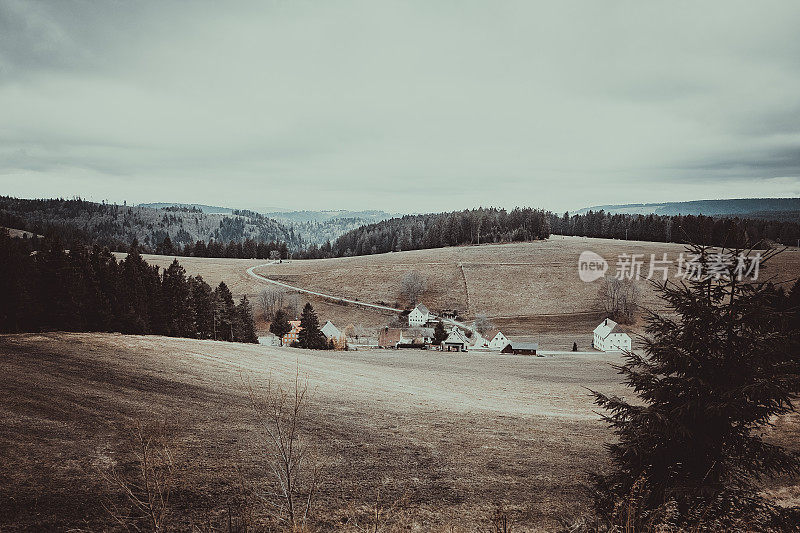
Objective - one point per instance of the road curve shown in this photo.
(250, 271)
(314, 293)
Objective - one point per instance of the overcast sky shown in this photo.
(401, 106)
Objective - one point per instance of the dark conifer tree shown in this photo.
(224, 313)
(439, 333)
(310, 335)
(201, 302)
(690, 451)
(176, 312)
(280, 325)
(245, 322)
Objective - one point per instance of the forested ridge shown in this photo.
(116, 226)
(478, 226)
(247, 234)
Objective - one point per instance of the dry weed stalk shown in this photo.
(294, 462)
(148, 485)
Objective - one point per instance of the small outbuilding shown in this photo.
(521, 348)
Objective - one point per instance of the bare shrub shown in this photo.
(620, 298)
(482, 323)
(148, 480)
(412, 286)
(293, 306)
(293, 461)
(270, 300)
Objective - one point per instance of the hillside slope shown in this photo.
(784, 209)
(402, 423)
(530, 289)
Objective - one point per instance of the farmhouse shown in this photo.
(521, 348)
(456, 341)
(330, 331)
(495, 339)
(419, 316)
(291, 337)
(611, 337)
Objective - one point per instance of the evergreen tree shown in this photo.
(201, 301)
(310, 335)
(439, 333)
(280, 325)
(175, 292)
(690, 450)
(224, 313)
(245, 323)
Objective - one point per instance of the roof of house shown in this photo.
(457, 337)
(330, 330)
(422, 309)
(523, 345)
(607, 327)
(491, 334)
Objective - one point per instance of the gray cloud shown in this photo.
(399, 105)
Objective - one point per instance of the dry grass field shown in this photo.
(438, 440)
(531, 290)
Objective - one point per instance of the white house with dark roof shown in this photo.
(419, 316)
(491, 340)
(611, 337)
(455, 341)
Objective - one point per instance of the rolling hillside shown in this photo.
(529, 289)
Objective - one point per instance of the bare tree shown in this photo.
(412, 286)
(620, 298)
(293, 306)
(482, 323)
(148, 485)
(270, 300)
(293, 460)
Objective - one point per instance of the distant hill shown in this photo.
(117, 225)
(319, 227)
(783, 209)
(322, 216)
(211, 209)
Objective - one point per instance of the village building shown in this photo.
(291, 337)
(455, 341)
(330, 331)
(419, 316)
(404, 337)
(491, 340)
(521, 348)
(611, 337)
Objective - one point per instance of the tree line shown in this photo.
(87, 289)
(473, 226)
(695, 229)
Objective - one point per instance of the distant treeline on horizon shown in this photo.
(409, 232)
